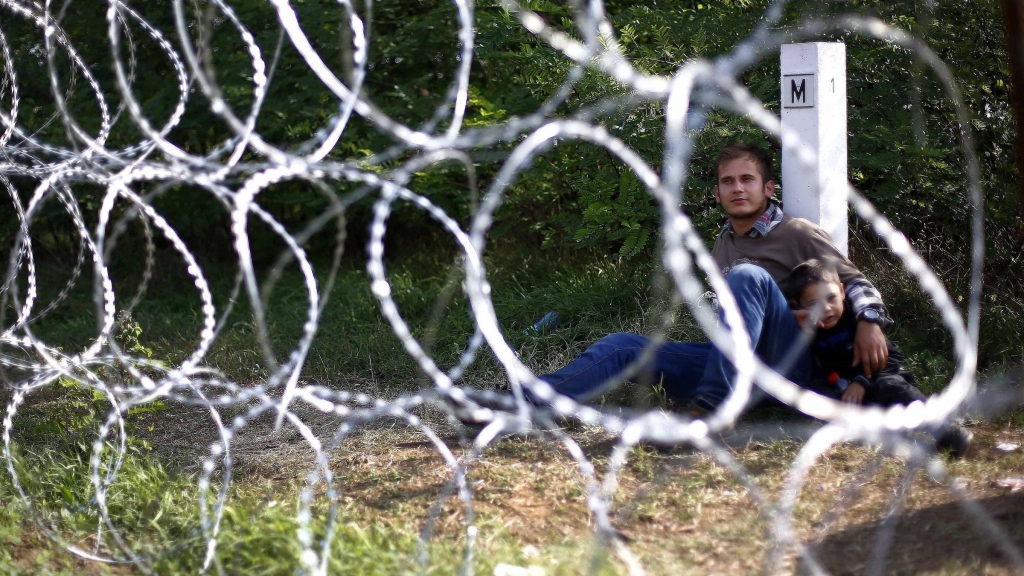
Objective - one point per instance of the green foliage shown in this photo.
(575, 198)
(158, 514)
(73, 418)
(903, 144)
(128, 336)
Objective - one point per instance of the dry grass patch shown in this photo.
(686, 513)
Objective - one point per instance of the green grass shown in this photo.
(159, 514)
(156, 511)
(354, 342)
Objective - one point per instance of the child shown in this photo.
(815, 293)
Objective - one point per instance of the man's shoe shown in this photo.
(471, 425)
(955, 440)
(699, 410)
(470, 414)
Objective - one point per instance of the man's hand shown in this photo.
(869, 349)
(854, 393)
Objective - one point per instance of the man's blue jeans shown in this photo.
(695, 371)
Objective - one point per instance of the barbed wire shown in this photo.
(155, 159)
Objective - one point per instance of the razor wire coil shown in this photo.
(246, 164)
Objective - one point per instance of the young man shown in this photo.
(756, 250)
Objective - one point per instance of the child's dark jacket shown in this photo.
(833, 349)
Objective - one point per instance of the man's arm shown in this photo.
(864, 296)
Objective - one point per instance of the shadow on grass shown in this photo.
(930, 539)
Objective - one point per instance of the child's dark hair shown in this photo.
(813, 271)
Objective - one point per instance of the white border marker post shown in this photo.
(814, 109)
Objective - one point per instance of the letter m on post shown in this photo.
(798, 94)
(798, 91)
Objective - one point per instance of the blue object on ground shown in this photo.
(548, 322)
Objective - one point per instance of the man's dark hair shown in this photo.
(805, 274)
(735, 150)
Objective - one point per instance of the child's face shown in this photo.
(827, 297)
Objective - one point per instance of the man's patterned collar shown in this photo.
(764, 224)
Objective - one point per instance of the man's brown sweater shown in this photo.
(792, 241)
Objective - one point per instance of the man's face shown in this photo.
(824, 300)
(741, 191)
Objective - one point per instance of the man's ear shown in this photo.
(842, 291)
(769, 188)
(718, 199)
